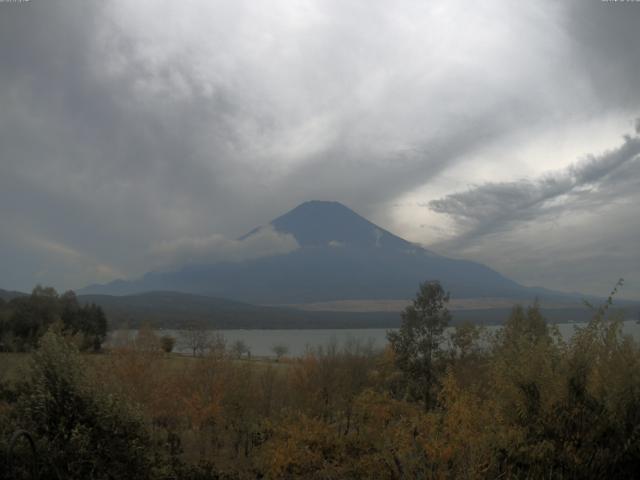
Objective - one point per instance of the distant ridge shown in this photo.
(342, 256)
(181, 310)
(7, 295)
(175, 310)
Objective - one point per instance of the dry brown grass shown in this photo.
(13, 366)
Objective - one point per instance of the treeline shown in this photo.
(521, 403)
(24, 319)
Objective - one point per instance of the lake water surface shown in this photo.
(261, 342)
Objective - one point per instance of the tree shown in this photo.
(31, 316)
(88, 321)
(197, 338)
(4, 326)
(93, 324)
(239, 348)
(279, 350)
(217, 345)
(416, 344)
(147, 340)
(82, 431)
(167, 343)
(465, 339)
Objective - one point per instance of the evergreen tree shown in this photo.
(416, 344)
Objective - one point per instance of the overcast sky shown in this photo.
(504, 132)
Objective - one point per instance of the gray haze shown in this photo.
(143, 135)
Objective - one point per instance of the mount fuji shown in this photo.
(340, 256)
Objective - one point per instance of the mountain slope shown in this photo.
(341, 256)
(319, 224)
(7, 295)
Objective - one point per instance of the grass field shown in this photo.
(13, 366)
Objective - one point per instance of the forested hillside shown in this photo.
(25, 318)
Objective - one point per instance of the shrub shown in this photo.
(82, 433)
(167, 343)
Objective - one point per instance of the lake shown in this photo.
(261, 342)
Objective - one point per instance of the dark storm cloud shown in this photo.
(572, 230)
(591, 183)
(132, 128)
(84, 160)
(349, 172)
(605, 39)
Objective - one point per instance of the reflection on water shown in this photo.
(261, 342)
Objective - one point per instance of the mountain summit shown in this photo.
(341, 256)
(320, 223)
